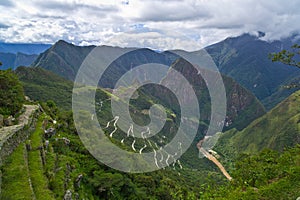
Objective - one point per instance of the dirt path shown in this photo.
(5, 132)
(213, 159)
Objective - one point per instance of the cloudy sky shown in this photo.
(158, 24)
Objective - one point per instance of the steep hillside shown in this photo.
(58, 166)
(242, 106)
(277, 129)
(63, 59)
(284, 90)
(43, 85)
(266, 175)
(245, 59)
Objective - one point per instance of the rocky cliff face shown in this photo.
(242, 106)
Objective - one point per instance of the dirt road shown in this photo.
(213, 159)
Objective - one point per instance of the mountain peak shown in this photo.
(62, 43)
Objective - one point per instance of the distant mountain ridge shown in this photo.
(65, 59)
(13, 55)
(25, 48)
(10, 60)
(245, 59)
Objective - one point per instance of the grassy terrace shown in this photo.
(39, 181)
(15, 168)
(25, 167)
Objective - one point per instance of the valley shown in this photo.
(254, 156)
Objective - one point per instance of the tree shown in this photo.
(289, 57)
(11, 93)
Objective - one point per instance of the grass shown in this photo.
(39, 181)
(277, 130)
(15, 184)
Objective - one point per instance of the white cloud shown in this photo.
(159, 24)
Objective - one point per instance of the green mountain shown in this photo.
(242, 106)
(63, 59)
(42, 85)
(278, 129)
(60, 167)
(245, 59)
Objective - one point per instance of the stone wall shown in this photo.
(12, 136)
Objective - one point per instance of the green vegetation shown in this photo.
(264, 176)
(288, 57)
(46, 167)
(55, 169)
(24, 168)
(43, 85)
(11, 93)
(245, 59)
(267, 175)
(278, 129)
(15, 176)
(35, 164)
